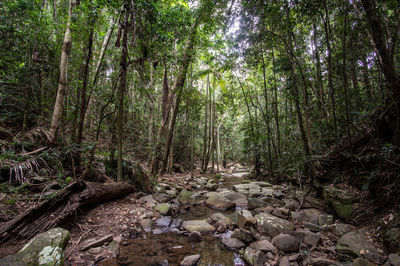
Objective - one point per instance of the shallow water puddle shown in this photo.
(154, 249)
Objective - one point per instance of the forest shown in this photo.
(199, 132)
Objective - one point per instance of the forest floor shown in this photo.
(285, 226)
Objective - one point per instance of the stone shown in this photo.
(255, 203)
(294, 257)
(354, 244)
(176, 223)
(233, 243)
(273, 225)
(163, 208)
(254, 257)
(284, 262)
(96, 242)
(158, 188)
(297, 216)
(312, 215)
(187, 197)
(273, 201)
(220, 226)
(313, 227)
(147, 224)
(267, 192)
(245, 219)
(216, 217)
(340, 200)
(198, 225)
(195, 236)
(171, 192)
(164, 221)
(341, 229)
(190, 260)
(286, 243)
(296, 234)
(311, 239)
(391, 239)
(211, 185)
(147, 200)
(394, 259)
(362, 262)
(325, 220)
(263, 245)
(236, 197)
(291, 204)
(161, 197)
(217, 201)
(44, 249)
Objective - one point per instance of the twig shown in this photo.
(392, 162)
(32, 152)
(77, 243)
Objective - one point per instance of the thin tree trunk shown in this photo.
(62, 82)
(121, 94)
(276, 111)
(266, 113)
(213, 129)
(218, 150)
(344, 69)
(205, 127)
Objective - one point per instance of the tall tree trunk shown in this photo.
(344, 69)
(62, 82)
(218, 150)
(266, 113)
(205, 126)
(121, 93)
(213, 129)
(84, 85)
(276, 111)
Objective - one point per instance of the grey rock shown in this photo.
(190, 260)
(362, 262)
(284, 262)
(314, 227)
(164, 221)
(44, 249)
(255, 203)
(394, 259)
(147, 224)
(311, 239)
(341, 229)
(286, 243)
(95, 242)
(263, 245)
(147, 199)
(233, 243)
(161, 197)
(273, 225)
(163, 208)
(216, 217)
(254, 257)
(218, 201)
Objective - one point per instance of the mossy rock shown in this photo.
(187, 197)
(391, 239)
(163, 208)
(45, 249)
(342, 210)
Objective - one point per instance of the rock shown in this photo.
(391, 239)
(394, 259)
(291, 204)
(286, 243)
(246, 186)
(263, 245)
(273, 225)
(176, 223)
(147, 224)
(171, 192)
(163, 208)
(198, 225)
(267, 192)
(354, 244)
(311, 239)
(217, 201)
(147, 199)
(362, 262)
(243, 235)
(341, 229)
(233, 243)
(313, 227)
(272, 201)
(255, 203)
(294, 257)
(188, 197)
(254, 257)
(340, 200)
(238, 198)
(216, 217)
(190, 260)
(44, 249)
(96, 242)
(164, 221)
(296, 234)
(312, 215)
(161, 197)
(297, 216)
(325, 220)
(195, 236)
(211, 185)
(95, 250)
(220, 226)
(158, 188)
(284, 262)
(245, 219)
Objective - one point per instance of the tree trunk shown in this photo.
(54, 212)
(276, 112)
(121, 94)
(205, 127)
(62, 82)
(266, 113)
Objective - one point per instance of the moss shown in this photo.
(343, 210)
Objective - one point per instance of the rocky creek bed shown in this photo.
(230, 220)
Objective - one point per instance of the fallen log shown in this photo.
(52, 212)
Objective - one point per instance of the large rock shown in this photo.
(236, 197)
(211, 185)
(342, 201)
(273, 225)
(245, 219)
(233, 243)
(219, 217)
(255, 203)
(190, 260)
(163, 208)
(263, 245)
(254, 257)
(391, 239)
(161, 197)
(188, 197)
(45, 249)
(354, 244)
(198, 225)
(217, 201)
(286, 243)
